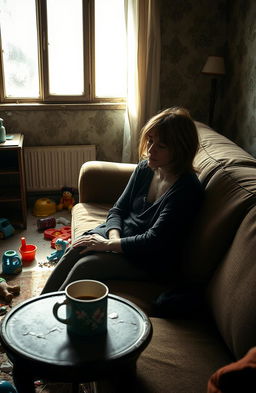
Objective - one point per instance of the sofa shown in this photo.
(219, 257)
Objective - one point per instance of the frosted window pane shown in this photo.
(20, 48)
(65, 47)
(110, 51)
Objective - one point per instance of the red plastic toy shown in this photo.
(57, 233)
(27, 251)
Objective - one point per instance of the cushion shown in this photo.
(229, 194)
(232, 290)
(179, 302)
(86, 216)
(180, 358)
(102, 181)
(142, 293)
(216, 151)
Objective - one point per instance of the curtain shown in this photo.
(143, 65)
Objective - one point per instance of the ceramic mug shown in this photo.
(86, 307)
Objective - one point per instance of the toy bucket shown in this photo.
(27, 251)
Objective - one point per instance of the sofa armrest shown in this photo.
(102, 181)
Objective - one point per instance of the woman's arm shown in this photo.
(114, 222)
(170, 222)
(164, 230)
(114, 234)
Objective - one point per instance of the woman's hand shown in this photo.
(93, 242)
(96, 242)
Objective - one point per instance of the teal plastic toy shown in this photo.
(6, 228)
(7, 387)
(11, 263)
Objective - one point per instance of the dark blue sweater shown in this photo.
(150, 229)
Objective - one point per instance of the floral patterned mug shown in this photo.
(86, 307)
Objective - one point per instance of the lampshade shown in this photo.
(214, 66)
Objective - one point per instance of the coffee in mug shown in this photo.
(86, 307)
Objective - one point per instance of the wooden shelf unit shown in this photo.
(13, 198)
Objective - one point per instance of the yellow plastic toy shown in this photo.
(44, 207)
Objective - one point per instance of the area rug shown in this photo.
(31, 284)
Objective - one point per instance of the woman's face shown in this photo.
(159, 155)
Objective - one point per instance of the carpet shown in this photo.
(31, 284)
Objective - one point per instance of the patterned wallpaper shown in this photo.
(239, 101)
(191, 31)
(189, 34)
(104, 128)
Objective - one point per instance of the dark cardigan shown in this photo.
(146, 228)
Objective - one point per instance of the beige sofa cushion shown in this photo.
(86, 216)
(102, 181)
(229, 194)
(232, 290)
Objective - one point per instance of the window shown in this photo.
(62, 51)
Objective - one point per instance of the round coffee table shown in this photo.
(40, 347)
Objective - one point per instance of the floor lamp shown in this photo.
(215, 67)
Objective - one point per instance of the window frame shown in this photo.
(89, 96)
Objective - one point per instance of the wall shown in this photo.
(239, 104)
(189, 34)
(191, 31)
(66, 127)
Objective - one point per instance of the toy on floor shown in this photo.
(45, 223)
(53, 234)
(50, 222)
(8, 291)
(60, 246)
(67, 201)
(6, 228)
(27, 251)
(44, 207)
(63, 220)
(11, 262)
(7, 387)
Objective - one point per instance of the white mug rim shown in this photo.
(87, 300)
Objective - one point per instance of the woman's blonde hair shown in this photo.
(176, 129)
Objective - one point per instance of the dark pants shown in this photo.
(100, 266)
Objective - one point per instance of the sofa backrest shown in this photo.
(232, 290)
(228, 174)
(221, 252)
(216, 152)
(229, 195)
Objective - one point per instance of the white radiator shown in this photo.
(50, 168)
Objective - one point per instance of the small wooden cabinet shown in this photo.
(13, 199)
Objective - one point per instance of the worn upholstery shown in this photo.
(232, 290)
(229, 195)
(94, 185)
(219, 256)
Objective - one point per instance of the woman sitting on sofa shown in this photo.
(152, 217)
